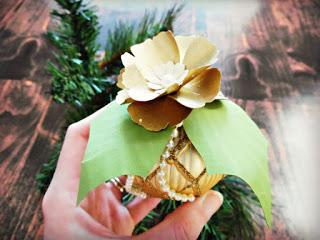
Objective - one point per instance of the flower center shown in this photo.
(168, 80)
(167, 77)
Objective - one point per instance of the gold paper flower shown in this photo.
(166, 78)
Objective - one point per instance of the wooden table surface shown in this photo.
(270, 60)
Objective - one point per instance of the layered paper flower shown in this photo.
(168, 77)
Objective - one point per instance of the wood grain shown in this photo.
(270, 61)
(25, 133)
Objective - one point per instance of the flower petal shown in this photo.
(201, 52)
(160, 50)
(119, 83)
(194, 73)
(169, 67)
(132, 77)
(122, 96)
(127, 59)
(173, 88)
(154, 86)
(143, 93)
(157, 114)
(180, 80)
(183, 44)
(151, 77)
(161, 92)
(200, 90)
(178, 70)
(159, 71)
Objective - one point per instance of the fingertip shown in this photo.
(219, 196)
(211, 201)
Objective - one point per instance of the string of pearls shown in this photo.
(131, 190)
(163, 164)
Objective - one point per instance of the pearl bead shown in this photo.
(143, 195)
(161, 173)
(184, 198)
(179, 125)
(175, 133)
(191, 197)
(166, 154)
(129, 189)
(162, 181)
(163, 164)
(178, 196)
(172, 193)
(166, 188)
(170, 144)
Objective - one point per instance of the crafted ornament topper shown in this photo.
(171, 131)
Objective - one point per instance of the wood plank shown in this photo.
(269, 58)
(26, 135)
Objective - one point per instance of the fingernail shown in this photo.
(211, 202)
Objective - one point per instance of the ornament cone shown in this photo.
(179, 174)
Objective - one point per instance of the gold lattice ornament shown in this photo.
(179, 174)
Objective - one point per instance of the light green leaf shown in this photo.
(230, 143)
(118, 146)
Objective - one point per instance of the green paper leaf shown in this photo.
(231, 143)
(117, 146)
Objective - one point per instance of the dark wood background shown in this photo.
(270, 60)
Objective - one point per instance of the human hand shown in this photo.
(101, 214)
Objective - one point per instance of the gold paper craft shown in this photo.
(166, 78)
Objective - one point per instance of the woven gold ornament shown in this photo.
(179, 174)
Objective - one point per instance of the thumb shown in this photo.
(187, 221)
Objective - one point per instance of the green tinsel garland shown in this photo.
(87, 85)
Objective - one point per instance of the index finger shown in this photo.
(73, 149)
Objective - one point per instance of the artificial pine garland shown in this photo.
(76, 79)
(87, 85)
